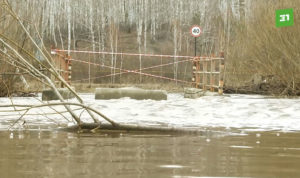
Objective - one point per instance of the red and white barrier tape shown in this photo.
(191, 58)
(55, 51)
(133, 71)
(109, 75)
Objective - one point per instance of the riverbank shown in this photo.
(269, 88)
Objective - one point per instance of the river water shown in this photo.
(244, 136)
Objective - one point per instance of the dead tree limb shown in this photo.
(43, 76)
(26, 107)
(111, 125)
(51, 68)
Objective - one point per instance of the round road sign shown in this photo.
(196, 31)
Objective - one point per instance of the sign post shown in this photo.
(196, 32)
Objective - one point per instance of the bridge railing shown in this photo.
(208, 73)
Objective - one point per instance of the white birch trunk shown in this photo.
(92, 28)
(140, 28)
(175, 36)
(60, 35)
(102, 34)
(139, 38)
(145, 25)
(112, 51)
(69, 24)
(175, 53)
(52, 22)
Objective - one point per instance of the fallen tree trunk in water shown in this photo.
(110, 125)
(97, 127)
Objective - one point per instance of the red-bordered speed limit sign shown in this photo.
(196, 31)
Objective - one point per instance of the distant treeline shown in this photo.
(244, 29)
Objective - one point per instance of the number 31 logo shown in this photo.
(285, 17)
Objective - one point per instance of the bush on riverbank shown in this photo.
(6, 81)
(258, 47)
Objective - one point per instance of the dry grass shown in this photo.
(7, 82)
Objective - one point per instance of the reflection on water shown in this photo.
(34, 154)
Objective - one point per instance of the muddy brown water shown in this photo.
(36, 154)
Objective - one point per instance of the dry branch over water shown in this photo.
(111, 125)
(15, 56)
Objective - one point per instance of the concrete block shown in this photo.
(194, 93)
(48, 95)
(133, 93)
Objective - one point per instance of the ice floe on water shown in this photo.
(248, 112)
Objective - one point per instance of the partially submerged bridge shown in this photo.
(206, 73)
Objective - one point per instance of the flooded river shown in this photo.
(36, 154)
(244, 136)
